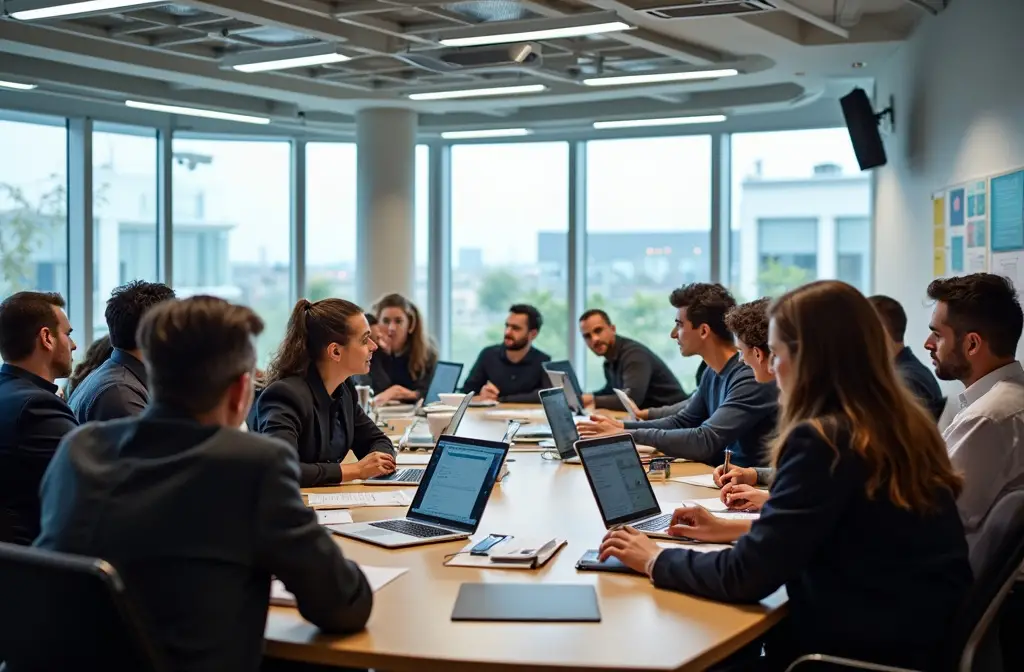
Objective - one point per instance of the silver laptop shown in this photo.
(413, 475)
(565, 366)
(560, 379)
(450, 501)
(620, 485)
(560, 420)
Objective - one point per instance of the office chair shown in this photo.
(62, 611)
(970, 644)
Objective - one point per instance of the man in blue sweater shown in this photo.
(729, 410)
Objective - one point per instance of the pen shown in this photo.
(728, 457)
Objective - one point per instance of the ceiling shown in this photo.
(790, 55)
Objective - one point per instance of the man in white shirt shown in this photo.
(975, 327)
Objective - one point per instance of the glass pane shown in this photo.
(422, 282)
(510, 223)
(801, 211)
(124, 210)
(33, 204)
(231, 227)
(648, 232)
(330, 220)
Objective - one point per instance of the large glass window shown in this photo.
(800, 211)
(648, 232)
(422, 254)
(231, 227)
(124, 211)
(33, 204)
(509, 242)
(330, 220)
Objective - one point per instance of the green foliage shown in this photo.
(319, 288)
(776, 279)
(498, 290)
(24, 225)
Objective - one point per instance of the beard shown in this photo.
(514, 345)
(62, 369)
(953, 367)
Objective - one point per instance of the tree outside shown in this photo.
(25, 225)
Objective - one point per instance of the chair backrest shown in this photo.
(61, 611)
(996, 559)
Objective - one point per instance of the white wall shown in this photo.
(958, 86)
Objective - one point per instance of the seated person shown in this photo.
(861, 527)
(309, 401)
(195, 515)
(514, 370)
(915, 375)
(728, 410)
(97, 353)
(378, 336)
(403, 366)
(628, 365)
(117, 388)
(36, 346)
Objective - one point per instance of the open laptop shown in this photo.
(413, 475)
(560, 379)
(444, 381)
(620, 485)
(560, 420)
(565, 366)
(450, 501)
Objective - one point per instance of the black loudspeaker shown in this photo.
(862, 123)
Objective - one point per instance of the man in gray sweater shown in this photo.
(729, 409)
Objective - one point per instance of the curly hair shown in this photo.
(984, 303)
(126, 306)
(95, 354)
(748, 322)
(705, 303)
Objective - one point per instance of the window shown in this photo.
(124, 211)
(330, 220)
(33, 204)
(510, 224)
(648, 232)
(800, 212)
(422, 236)
(231, 227)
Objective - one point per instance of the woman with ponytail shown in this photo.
(402, 369)
(310, 402)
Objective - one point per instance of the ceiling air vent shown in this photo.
(698, 9)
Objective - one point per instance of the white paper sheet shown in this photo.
(333, 517)
(351, 500)
(712, 504)
(410, 459)
(378, 577)
(703, 480)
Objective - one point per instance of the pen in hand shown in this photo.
(728, 466)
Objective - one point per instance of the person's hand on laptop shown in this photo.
(600, 425)
(740, 497)
(698, 523)
(630, 547)
(488, 392)
(395, 393)
(374, 464)
(737, 475)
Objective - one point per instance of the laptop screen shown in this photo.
(565, 366)
(617, 478)
(563, 427)
(458, 481)
(453, 424)
(446, 377)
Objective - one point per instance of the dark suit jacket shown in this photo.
(299, 411)
(116, 389)
(196, 519)
(33, 420)
(387, 370)
(633, 366)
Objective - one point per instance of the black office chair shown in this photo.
(972, 644)
(63, 612)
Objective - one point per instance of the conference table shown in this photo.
(641, 628)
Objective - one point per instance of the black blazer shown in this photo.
(298, 410)
(387, 370)
(866, 579)
(116, 389)
(33, 420)
(196, 519)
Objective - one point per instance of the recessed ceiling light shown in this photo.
(657, 77)
(668, 121)
(196, 112)
(486, 133)
(72, 8)
(504, 32)
(17, 86)
(477, 93)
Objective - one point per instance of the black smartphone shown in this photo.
(590, 563)
(487, 544)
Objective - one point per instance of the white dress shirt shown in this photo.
(986, 443)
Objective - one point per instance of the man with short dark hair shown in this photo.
(628, 365)
(195, 514)
(915, 375)
(729, 410)
(117, 388)
(512, 371)
(36, 346)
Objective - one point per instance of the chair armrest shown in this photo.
(844, 662)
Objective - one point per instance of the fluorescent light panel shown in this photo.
(196, 112)
(285, 63)
(478, 93)
(69, 9)
(17, 86)
(542, 34)
(668, 121)
(657, 78)
(486, 133)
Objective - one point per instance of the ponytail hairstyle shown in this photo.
(422, 352)
(311, 328)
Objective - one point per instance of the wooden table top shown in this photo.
(642, 628)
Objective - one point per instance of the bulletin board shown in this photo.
(978, 226)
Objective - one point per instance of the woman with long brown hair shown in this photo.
(403, 367)
(310, 402)
(861, 525)
(97, 353)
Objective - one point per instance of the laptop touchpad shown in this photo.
(375, 532)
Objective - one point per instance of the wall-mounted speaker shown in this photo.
(863, 124)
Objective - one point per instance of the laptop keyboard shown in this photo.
(655, 524)
(402, 476)
(411, 528)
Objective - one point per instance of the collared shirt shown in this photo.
(633, 367)
(517, 382)
(986, 442)
(116, 389)
(920, 381)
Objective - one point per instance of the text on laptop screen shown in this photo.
(446, 377)
(563, 427)
(565, 366)
(620, 484)
(459, 483)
